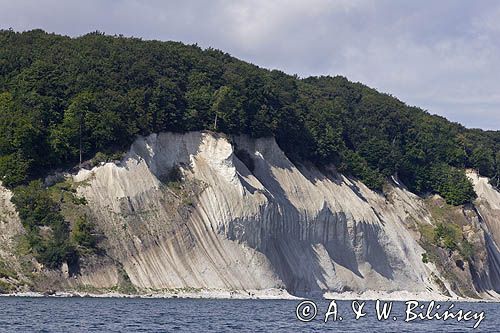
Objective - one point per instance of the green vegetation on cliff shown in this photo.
(49, 236)
(46, 230)
(63, 99)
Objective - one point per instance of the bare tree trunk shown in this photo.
(80, 144)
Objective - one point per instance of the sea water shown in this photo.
(50, 314)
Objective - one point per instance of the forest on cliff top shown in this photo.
(61, 97)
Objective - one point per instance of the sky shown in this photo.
(443, 56)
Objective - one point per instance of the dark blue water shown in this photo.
(19, 314)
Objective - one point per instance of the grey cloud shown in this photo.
(439, 55)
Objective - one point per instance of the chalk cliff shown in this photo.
(205, 211)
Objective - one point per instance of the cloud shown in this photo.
(439, 55)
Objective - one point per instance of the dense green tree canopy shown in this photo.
(62, 96)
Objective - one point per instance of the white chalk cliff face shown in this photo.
(10, 227)
(260, 223)
(487, 206)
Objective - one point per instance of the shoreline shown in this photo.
(173, 294)
(266, 294)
